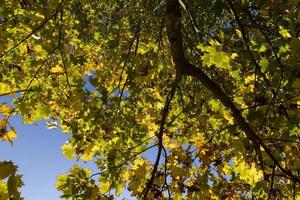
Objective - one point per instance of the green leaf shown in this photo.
(12, 185)
(264, 63)
(215, 105)
(263, 48)
(214, 57)
(7, 168)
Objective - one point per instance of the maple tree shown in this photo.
(213, 85)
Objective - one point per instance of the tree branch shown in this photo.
(247, 44)
(271, 183)
(30, 82)
(186, 68)
(136, 36)
(159, 135)
(125, 161)
(32, 32)
(61, 50)
(166, 175)
(12, 92)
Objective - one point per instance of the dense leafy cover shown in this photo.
(10, 181)
(213, 85)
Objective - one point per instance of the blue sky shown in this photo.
(37, 153)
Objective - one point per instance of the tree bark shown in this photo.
(173, 23)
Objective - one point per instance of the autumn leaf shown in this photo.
(68, 151)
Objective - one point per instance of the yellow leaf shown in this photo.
(5, 110)
(11, 135)
(89, 153)
(284, 32)
(138, 162)
(239, 33)
(3, 190)
(39, 15)
(215, 105)
(198, 140)
(249, 79)
(233, 56)
(68, 151)
(248, 172)
(87, 156)
(190, 183)
(228, 117)
(160, 105)
(214, 43)
(126, 175)
(87, 172)
(172, 144)
(104, 187)
(23, 48)
(38, 48)
(4, 88)
(151, 133)
(57, 69)
(61, 181)
(227, 169)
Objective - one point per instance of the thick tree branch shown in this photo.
(186, 68)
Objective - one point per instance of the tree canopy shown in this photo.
(213, 85)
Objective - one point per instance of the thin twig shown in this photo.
(290, 99)
(125, 161)
(188, 69)
(32, 32)
(165, 113)
(280, 140)
(12, 93)
(211, 139)
(172, 120)
(294, 190)
(128, 52)
(30, 82)
(61, 50)
(166, 176)
(247, 45)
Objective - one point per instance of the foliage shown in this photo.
(213, 85)
(10, 182)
